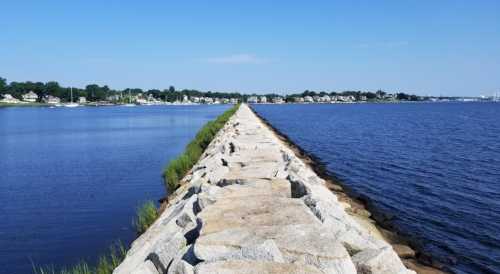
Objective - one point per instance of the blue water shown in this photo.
(70, 179)
(434, 167)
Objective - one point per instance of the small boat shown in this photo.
(71, 104)
(129, 101)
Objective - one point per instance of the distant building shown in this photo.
(185, 99)
(195, 99)
(82, 100)
(141, 101)
(346, 98)
(115, 97)
(278, 100)
(263, 99)
(325, 99)
(49, 99)
(7, 98)
(252, 99)
(390, 97)
(363, 98)
(298, 99)
(233, 100)
(308, 99)
(208, 100)
(30, 97)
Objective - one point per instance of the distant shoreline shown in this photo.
(4, 105)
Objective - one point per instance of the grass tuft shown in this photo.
(146, 215)
(179, 167)
(106, 265)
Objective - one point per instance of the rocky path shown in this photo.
(251, 206)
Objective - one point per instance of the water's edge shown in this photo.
(362, 208)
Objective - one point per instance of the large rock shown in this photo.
(379, 261)
(173, 227)
(264, 250)
(307, 244)
(254, 267)
(254, 211)
(147, 267)
(164, 252)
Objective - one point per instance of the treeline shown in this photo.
(357, 94)
(370, 96)
(95, 92)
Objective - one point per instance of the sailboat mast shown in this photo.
(71, 92)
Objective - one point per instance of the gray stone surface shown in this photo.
(146, 267)
(379, 261)
(250, 205)
(254, 267)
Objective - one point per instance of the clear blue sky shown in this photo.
(424, 47)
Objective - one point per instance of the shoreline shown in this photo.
(361, 210)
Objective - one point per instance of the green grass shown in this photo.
(146, 215)
(178, 167)
(106, 264)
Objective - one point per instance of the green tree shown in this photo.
(53, 88)
(3, 84)
(380, 93)
(402, 96)
(96, 93)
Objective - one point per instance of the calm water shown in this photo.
(434, 167)
(71, 178)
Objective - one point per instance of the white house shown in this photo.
(30, 97)
(278, 100)
(233, 100)
(346, 98)
(208, 100)
(115, 97)
(7, 98)
(49, 99)
(325, 99)
(308, 99)
(253, 99)
(82, 100)
(298, 99)
(263, 99)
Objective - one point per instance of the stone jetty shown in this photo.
(250, 205)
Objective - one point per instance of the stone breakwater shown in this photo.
(250, 205)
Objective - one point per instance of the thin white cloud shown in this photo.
(393, 44)
(243, 58)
